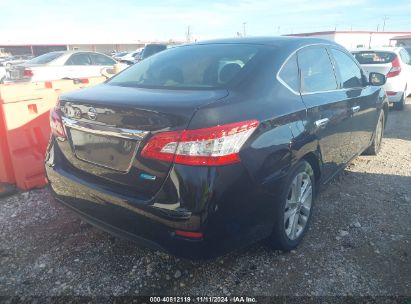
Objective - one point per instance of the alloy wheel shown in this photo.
(298, 205)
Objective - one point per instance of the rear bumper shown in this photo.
(120, 218)
(231, 215)
(394, 89)
(394, 96)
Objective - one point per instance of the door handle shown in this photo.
(321, 123)
(355, 109)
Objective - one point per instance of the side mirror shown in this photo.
(377, 79)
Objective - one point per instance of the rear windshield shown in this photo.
(191, 67)
(46, 58)
(374, 57)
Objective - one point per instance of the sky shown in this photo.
(119, 21)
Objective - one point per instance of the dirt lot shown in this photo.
(358, 244)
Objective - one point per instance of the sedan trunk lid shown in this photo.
(107, 127)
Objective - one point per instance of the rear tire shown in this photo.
(378, 136)
(399, 106)
(294, 208)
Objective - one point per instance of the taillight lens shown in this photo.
(395, 69)
(28, 73)
(215, 146)
(56, 123)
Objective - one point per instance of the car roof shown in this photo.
(272, 41)
(73, 52)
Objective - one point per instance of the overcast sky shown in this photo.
(37, 21)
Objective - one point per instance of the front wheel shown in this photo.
(378, 135)
(293, 211)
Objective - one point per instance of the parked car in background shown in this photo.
(151, 49)
(2, 74)
(212, 146)
(395, 63)
(118, 56)
(59, 65)
(13, 60)
(130, 58)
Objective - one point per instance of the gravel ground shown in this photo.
(358, 244)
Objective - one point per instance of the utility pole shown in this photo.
(385, 18)
(188, 34)
(244, 32)
(378, 26)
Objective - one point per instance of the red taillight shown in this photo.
(27, 73)
(395, 69)
(391, 93)
(189, 234)
(56, 124)
(215, 146)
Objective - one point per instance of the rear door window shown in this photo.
(374, 57)
(99, 59)
(289, 74)
(405, 57)
(79, 59)
(349, 71)
(317, 72)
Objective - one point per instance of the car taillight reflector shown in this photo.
(189, 234)
(395, 69)
(391, 93)
(215, 146)
(27, 73)
(56, 124)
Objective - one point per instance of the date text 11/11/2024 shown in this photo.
(203, 299)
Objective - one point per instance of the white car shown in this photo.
(130, 58)
(7, 63)
(2, 74)
(60, 65)
(395, 63)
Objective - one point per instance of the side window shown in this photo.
(99, 59)
(317, 73)
(289, 74)
(79, 59)
(349, 71)
(405, 57)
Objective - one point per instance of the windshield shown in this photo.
(374, 57)
(193, 66)
(152, 49)
(46, 58)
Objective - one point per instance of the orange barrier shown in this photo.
(25, 128)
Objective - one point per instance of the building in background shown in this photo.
(357, 39)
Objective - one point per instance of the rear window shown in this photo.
(374, 57)
(46, 58)
(191, 67)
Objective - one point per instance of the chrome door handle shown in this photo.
(355, 109)
(321, 122)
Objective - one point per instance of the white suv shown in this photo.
(395, 63)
